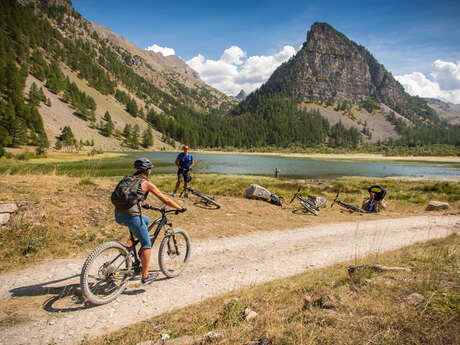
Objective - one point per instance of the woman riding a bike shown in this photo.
(131, 217)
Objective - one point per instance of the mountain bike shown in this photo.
(349, 207)
(108, 269)
(205, 200)
(306, 204)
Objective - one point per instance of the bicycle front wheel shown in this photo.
(208, 201)
(309, 208)
(174, 253)
(105, 273)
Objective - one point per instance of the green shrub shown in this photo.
(87, 182)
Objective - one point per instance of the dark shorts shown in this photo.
(184, 174)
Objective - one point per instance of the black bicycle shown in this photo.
(204, 200)
(349, 207)
(306, 203)
(108, 269)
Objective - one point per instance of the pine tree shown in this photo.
(67, 138)
(147, 138)
(127, 130)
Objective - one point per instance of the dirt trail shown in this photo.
(217, 266)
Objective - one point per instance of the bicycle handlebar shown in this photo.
(163, 210)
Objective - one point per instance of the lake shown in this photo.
(241, 164)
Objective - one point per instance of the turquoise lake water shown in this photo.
(240, 164)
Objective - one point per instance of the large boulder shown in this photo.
(258, 192)
(437, 205)
(4, 218)
(8, 208)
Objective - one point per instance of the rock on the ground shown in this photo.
(437, 205)
(415, 298)
(4, 218)
(185, 340)
(318, 201)
(249, 314)
(211, 337)
(258, 192)
(8, 208)
(263, 340)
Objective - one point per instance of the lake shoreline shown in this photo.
(342, 157)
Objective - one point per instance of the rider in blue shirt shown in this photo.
(184, 162)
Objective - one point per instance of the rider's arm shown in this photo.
(148, 186)
(193, 163)
(177, 162)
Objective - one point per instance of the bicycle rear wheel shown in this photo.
(174, 253)
(309, 208)
(105, 273)
(208, 201)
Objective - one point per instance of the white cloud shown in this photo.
(235, 71)
(233, 55)
(163, 50)
(445, 84)
(447, 74)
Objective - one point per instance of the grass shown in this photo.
(82, 168)
(327, 306)
(62, 216)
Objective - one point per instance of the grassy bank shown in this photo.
(62, 216)
(328, 306)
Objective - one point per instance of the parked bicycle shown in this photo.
(349, 207)
(306, 203)
(205, 200)
(108, 269)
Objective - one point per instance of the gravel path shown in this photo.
(217, 266)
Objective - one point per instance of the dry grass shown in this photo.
(62, 216)
(369, 308)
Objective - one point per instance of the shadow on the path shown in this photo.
(66, 298)
(301, 210)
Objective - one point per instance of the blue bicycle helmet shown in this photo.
(143, 164)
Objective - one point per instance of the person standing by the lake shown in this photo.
(184, 162)
(277, 173)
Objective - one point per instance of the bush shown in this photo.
(25, 156)
(87, 182)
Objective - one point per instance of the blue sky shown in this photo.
(405, 36)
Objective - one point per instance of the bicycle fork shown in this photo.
(176, 248)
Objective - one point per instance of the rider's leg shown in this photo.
(145, 261)
(140, 230)
(177, 185)
(179, 178)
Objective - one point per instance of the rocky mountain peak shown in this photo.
(332, 67)
(49, 3)
(242, 95)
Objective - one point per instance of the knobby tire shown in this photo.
(309, 208)
(111, 272)
(167, 253)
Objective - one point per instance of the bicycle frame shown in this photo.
(160, 222)
(350, 207)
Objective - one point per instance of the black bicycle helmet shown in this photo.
(143, 164)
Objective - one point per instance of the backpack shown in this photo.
(128, 192)
(276, 200)
(369, 206)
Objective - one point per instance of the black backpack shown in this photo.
(276, 200)
(128, 192)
